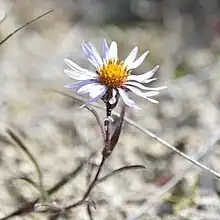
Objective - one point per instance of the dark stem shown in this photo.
(90, 188)
(105, 155)
(107, 122)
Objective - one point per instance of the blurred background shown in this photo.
(183, 37)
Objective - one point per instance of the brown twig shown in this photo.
(89, 211)
(120, 170)
(90, 188)
(105, 155)
(23, 26)
(20, 143)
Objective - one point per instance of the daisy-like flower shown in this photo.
(112, 78)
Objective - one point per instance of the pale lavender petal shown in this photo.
(93, 62)
(113, 99)
(80, 76)
(86, 50)
(74, 66)
(138, 62)
(90, 55)
(136, 91)
(144, 76)
(78, 84)
(149, 80)
(86, 88)
(143, 95)
(151, 93)
(131, 57)
(113, 51)
(105, 50)
(140, 86)
(96, 54)
(152, 100)
(126, 100)
(93, 99)
(96, 90)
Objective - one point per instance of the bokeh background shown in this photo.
(183, 37)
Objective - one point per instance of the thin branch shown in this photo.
(29, 207)
(120, 170)
(90, 188)
(89, 211)
(173, 148)
(3, 16)
(23, 26)
(30, 181)
(93, 111)
(20, 143)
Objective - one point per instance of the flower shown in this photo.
(113, 78)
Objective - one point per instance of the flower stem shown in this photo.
(106, 152)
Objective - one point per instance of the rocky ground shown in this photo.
(60, 135)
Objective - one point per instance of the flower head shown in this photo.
(113, 78)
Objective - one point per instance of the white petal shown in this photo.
(150, 94)
(149, 80)
(144, 76)
(97, 90)
(113, 50)
(78, 84)
(86, 50)
(93, 99)
(105, 50)
(136, 91)
(96, 54)
(140, 86)
(152, 100)
(78, 76)
(93, 58)
(126, 100)
(138, 62)
(86, 88)
(93, 62)
(141, 94)
(113, 99)
(74, 66)
(131, 57)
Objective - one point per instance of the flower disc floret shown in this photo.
(113, 74)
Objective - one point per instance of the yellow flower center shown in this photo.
(113, 74)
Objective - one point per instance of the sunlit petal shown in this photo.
(126, 99)
(113, 50)
(92, 57)
(97, 90)
(144, 76)
(86, 88)
(138, 62)
(93, 99)
(74, 66)
(105, 50)
(78, 84)
(152, 100)
(96, 54)
(131, 57)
